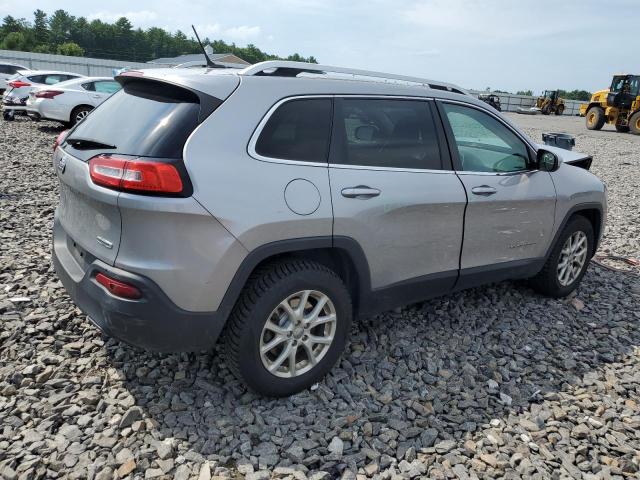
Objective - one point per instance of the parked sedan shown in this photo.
(69, 102)
(8, 70)
(14, 100)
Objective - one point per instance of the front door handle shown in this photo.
(361, 191)
(484, 190)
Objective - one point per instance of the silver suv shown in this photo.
(272, 205)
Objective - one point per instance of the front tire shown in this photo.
(634, 123)
(568, 260)
(595, 118)
(288, 328)
(560, 110)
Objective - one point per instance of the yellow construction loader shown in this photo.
(550, 103)
(619, 105)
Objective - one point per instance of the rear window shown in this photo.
(147, 119)
(8, 69)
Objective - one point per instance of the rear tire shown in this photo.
(78, 114)
(595, 118)
(634, 123)
(556, 281)
(8, 115)
(267, 314)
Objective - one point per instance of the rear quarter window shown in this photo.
(298, 130)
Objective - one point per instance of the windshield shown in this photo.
(147, 119)
(634, 86)
(617, 84)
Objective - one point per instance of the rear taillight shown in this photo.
(59, 139)
(48, 93)
(137, 175)
(18, 84)
(118, 288)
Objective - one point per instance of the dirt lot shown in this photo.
(494, 382)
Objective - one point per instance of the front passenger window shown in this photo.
(485, 144)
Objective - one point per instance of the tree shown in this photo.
(582, 95)
(528, 93)
(41, 49)
(40, 27)
(14, 41)
(13, 25)
(71, 49)
(60, 27)
(62, 32)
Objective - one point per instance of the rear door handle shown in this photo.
(361, 191)
(484, 190)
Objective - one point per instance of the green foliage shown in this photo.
(582, 95)
(529, 93)
(14, 41)
(41, 49)
(70, 48)
(62, 32)
(40, 27)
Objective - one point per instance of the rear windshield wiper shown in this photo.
(88, 144)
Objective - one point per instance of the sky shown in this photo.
(502, 44)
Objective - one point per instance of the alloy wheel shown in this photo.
(298, 333)
(81, 115)
(572, 258)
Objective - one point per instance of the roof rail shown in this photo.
(284, 68)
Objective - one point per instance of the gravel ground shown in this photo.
(494, 382)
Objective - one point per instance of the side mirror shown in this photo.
(547, 161)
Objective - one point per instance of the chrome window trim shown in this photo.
(387, 169)
(497, 174)
(251, 147)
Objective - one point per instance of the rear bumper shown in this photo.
(153, 323)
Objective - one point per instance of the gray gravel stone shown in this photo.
(419, 393)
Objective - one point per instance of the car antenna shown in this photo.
(210, 63)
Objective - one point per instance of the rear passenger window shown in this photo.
(37, 78)
(386, 133)
(298, 130)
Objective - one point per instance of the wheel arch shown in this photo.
(593, 104)
(75, 109)
(343, 255)
(592, 212)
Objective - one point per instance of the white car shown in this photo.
(8, 70)
(69, 102)
(20, 85)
